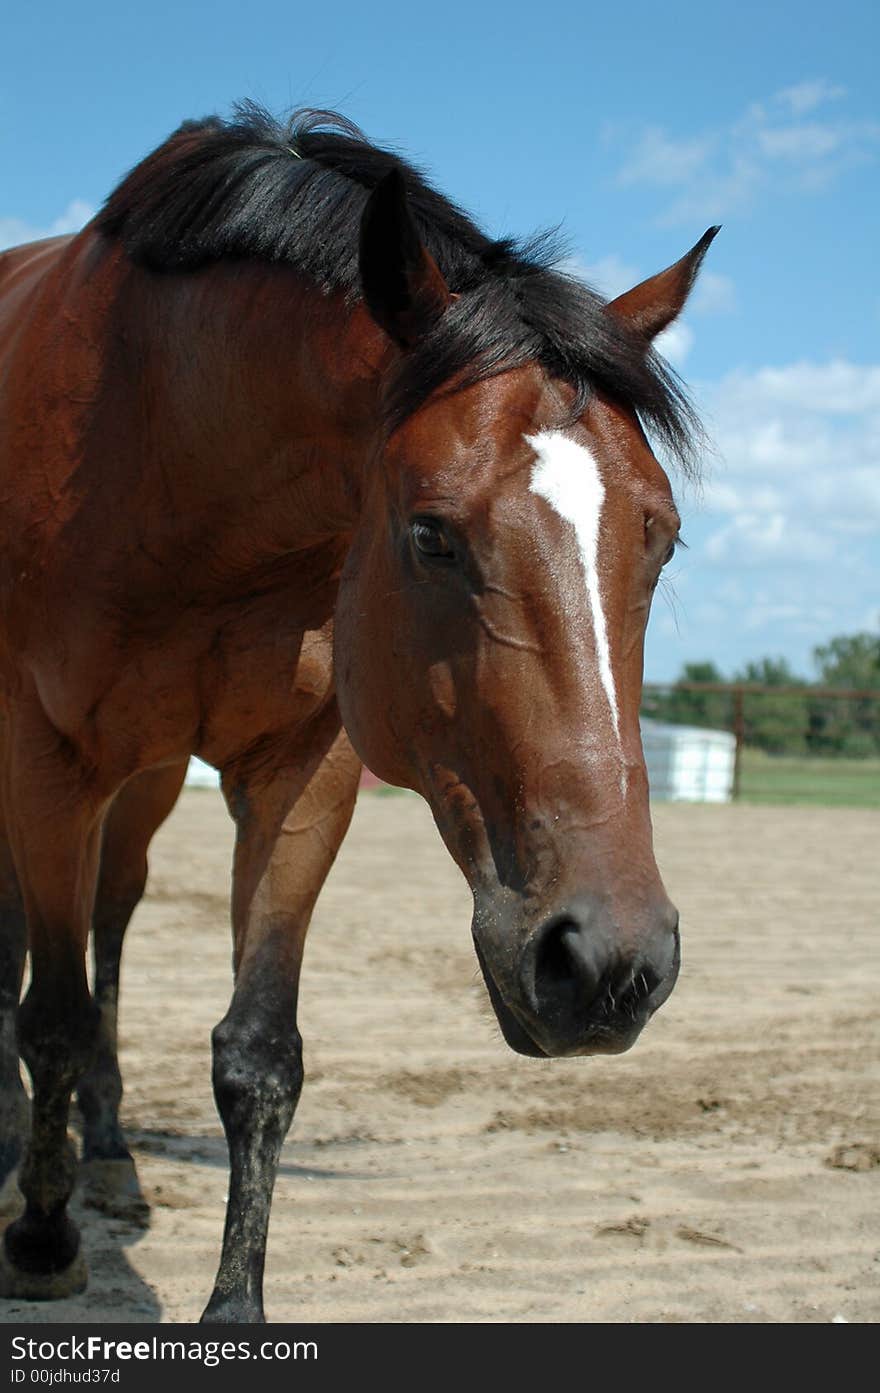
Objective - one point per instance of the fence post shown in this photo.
(739, 730)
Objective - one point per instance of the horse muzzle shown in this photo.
(573, 989)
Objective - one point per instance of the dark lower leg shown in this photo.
(139, 808)
(56, 866)
(257, 1080)
(99, 1091)
(257, 1049)
(57, 1031)
(109, 1177)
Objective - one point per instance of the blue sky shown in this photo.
(634, 127)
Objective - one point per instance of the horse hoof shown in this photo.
(225, 1310)
(41, 1286)
(113, 1188)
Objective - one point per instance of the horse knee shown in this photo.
(257, 1073)
(57, 1036)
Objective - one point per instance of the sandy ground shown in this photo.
(727, 1169)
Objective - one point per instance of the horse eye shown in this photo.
(668, 554)
(430, 539)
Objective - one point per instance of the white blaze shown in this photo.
(567, 476)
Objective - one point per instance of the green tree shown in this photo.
(777, 723)
(850, 660)
(788, 722)
(848, 727)
(712, 710)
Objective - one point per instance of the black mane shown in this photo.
(294, 192)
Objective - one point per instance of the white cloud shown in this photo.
(804, 142)
(713, 294)
(675, 343)
(610, 275)
(797, 618)
(838, 387)
(785, 540)
(14, 231)
(806, 96)
(804, 439)
(769, 538)
(771, 148)
(661, 159)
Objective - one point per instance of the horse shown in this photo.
(301, 471)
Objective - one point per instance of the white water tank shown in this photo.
(687, 764)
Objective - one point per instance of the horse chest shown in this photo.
(262, 679)
(210, 680)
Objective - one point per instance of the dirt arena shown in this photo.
(727, 1169)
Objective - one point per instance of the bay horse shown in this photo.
(300, 469)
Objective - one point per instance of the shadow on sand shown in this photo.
(113, 1214)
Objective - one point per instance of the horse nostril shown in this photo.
(656, 968)
(576, 970)
(570, 966)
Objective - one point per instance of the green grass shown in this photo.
(828, 783)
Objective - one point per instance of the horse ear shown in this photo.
(402, 284)
(649, 307)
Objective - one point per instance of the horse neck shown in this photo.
(264, 398)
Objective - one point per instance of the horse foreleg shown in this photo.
(137, 811)
(56, 865)
(288, 834)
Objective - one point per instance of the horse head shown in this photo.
(489, 647)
